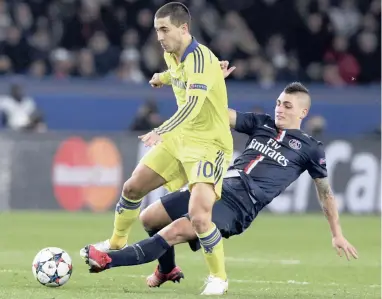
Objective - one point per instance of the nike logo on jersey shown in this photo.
(269, 127)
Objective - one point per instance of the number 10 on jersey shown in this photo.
(206, 169)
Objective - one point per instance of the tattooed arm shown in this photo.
(329, 206)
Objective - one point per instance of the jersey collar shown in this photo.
(191, 48)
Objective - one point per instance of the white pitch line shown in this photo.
(262, 261)
(250, 260)
(269, 281)
(375, 286)
(240, 281)
(290, 262)
(11, 271)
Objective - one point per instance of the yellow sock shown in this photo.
(213, 252)
(126, 212)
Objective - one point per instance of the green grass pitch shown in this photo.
(278, 257)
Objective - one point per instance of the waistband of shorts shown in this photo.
(232, 173)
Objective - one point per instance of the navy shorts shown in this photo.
(232, 214)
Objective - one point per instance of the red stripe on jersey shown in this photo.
(280, 136)
(253, 163)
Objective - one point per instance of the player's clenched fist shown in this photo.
(155, 81)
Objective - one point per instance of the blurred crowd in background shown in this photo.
(332, 41)
(335, 42)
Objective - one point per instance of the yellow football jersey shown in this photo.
(201, 95)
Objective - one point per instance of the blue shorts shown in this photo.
(232, 214)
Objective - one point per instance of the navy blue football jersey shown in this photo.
(275, 158)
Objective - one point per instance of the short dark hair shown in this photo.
(178, 13)
(296, 87)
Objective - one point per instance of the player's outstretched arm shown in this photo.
(329, 207)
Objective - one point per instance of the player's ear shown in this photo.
(184, 28)
(304, 113)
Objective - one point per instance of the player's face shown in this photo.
(289, 111)
(169, 35)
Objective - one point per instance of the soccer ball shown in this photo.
(52, 267)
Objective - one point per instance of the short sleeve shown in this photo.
(317, 163)
(199, 73)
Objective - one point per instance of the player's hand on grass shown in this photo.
(155, 81)
(342, 246)
(224, 66)
(150, 139)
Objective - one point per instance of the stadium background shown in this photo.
(84, 66)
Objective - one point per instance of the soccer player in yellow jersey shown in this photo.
(194, 146)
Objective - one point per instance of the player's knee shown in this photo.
(177, 232)
(155, 217)
(201, 222)
(149, 219)
(145, 219)
(132, 189)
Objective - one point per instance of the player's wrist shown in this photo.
(162, 78)
(157, 131)
(336, 231)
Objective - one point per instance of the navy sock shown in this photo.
(167, 260)
(142, 252)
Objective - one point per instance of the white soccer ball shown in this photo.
(52, 267)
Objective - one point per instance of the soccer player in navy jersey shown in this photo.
(277, 152)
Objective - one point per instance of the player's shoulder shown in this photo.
(260, 119)
(313, 143)
(264, 119)
(312, 139)
(198, 54)
(206, 50)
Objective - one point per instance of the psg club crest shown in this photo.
(295, 144)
